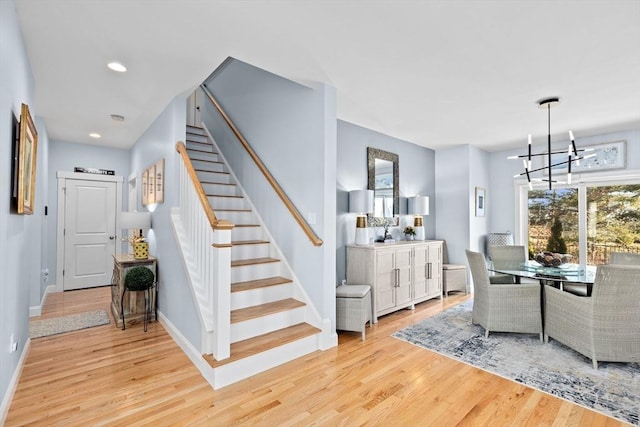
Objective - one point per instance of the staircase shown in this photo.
(270, 320)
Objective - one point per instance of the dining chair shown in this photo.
(508, 257)
(503, 307)
(624, 258)
(604, 327)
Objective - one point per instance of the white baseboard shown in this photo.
(37, 310)
(192, 353)
(13, 384)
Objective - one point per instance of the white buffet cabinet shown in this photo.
(400, 274)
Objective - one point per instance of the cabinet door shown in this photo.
(434, 283)
(385, 280)
(420, 271)
(403, 286)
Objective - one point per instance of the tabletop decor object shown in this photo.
(552, 259)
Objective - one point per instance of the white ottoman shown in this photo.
(353, 308)
(454, 278)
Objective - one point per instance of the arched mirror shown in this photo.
(383, 180)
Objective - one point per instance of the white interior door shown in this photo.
(89, 233)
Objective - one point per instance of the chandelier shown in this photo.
(573, 155)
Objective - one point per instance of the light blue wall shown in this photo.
(292, 129)
(158, 142)
(20, 235)
(63, 157)
(417, 177)
(454, 200)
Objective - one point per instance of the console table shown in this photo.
(134, 301)
(400, 274)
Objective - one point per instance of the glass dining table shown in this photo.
(574, 278)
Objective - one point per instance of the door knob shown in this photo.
(112, 237)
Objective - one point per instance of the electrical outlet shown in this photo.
(344, 282)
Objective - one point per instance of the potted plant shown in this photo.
(409, 232)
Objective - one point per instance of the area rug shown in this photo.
(613, 389)
(73, 322)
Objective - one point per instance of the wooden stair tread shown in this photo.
(216, 183)
(256, 311)
(246, 225)
(249, 242)
(252, 261)
(225, 195)
(202, 170)
(261, 343)
(259, 283)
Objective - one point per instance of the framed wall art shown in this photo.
(481, 201)
(26, 163)
(153, 184)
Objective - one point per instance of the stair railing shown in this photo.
(209, 240)
(313, 237)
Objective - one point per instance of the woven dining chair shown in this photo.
(508, 257)
(624, 258)
(604, 327)
(503, 307)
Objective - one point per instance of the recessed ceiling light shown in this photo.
(94, 135)
(117, 117)
(116, 66)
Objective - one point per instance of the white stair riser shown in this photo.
(199, 146)
(227, 202)
(237, 217)
(208, 166)
(265, 324)
(220, 189)
(255, 250)
(199, 155)
(224, 178)
(249, 366)
(261, 296)
(246, 233)
(255, 271)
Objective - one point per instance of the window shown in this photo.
(588, 220)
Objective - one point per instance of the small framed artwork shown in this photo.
(145, 185)
(481, 201)
(607, 156)
(27, 152)
(151, 185)
(159, 173)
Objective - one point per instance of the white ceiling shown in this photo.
(435, 73)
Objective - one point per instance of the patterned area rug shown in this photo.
(613, 389)
(73, 322)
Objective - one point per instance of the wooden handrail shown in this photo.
(215, 223)
(313, 237)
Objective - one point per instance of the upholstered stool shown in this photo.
(454, 278)
(353, 308)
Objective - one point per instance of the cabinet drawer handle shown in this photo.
(430, 266)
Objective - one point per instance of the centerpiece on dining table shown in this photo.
(552, 259)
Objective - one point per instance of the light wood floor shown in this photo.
(106, 376)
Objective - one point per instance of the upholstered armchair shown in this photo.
(504, 307)
(604, 326)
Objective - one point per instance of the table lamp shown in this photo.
(418, 206)
(137, 221)
(361, 202)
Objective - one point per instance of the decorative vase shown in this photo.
(141, 250)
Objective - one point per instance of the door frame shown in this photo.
(62, 181)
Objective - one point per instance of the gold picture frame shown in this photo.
(159, 181)
(27, 161)
(145, 185)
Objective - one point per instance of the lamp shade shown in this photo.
(361, 201)
(418, 205)
(135, 220)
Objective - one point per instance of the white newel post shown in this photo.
(222, 291)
